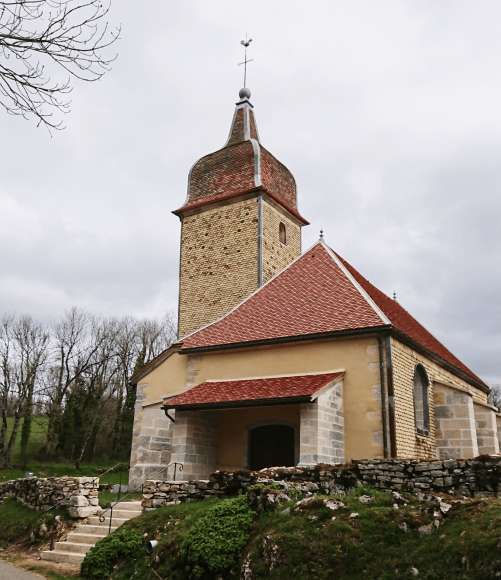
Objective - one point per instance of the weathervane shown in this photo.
(245, 43)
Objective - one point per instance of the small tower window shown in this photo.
(421, 407)
(282, 233)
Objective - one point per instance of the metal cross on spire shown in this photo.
(245, 43)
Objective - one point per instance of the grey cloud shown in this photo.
(387, 114)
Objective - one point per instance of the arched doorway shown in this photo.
(271, 446)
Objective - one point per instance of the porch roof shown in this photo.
(253, 392)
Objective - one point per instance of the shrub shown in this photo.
(103, 557)
(215, 540)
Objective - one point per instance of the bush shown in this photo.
(108, 552)
(214, 542)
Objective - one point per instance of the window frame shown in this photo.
(282, 233)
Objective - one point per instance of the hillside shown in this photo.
(365, 534)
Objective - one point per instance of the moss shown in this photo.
(213, 539)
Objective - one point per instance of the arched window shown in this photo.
(282, 233)
(421, 408)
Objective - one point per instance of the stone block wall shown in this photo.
(219, 262)
(498, 422)
(194, 444)
(78, 494)
(151, 443)
(321, 432)
(276, 255)
(468, 477)
(455, 421)
(487, 435)
(404, 360)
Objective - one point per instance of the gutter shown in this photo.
(239, 404)
(284, 340)
(260, 227)
(384, 397)
(391, 399)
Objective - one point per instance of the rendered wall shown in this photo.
(362, 391)
(405, 359)
(233, 426)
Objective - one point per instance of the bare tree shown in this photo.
(23, 352)
(38, 37)
(495, 396)
(73, 352)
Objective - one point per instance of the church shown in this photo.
(289, 357)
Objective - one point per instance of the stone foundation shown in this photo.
(78, 494)
(469, 477)
(487, 433)
(455, 423)
(321, 437)
(151, 443)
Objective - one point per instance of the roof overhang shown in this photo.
(195, 206)
(254, 392)
(240, 404)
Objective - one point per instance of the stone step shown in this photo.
(84, 538)
(93, 529)
(124, 514)
(95, 521)
(62, 557)
(74, 547)
(129, 505)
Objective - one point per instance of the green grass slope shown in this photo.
(376, 540)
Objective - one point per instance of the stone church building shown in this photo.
(287, 357)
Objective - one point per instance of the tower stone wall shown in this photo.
(219, 262)
(276, 254)
(239, 224)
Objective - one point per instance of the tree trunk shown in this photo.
(26, 429)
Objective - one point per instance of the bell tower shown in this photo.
(239, 224)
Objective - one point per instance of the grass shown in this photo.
(18, 522)
(381, 543)
(106, 498)
(37, 437)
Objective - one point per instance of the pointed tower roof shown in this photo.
(243, 166)
(319, 295)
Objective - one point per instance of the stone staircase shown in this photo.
(81, 539)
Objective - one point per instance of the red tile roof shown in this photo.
(313, 295)
(252, 391)
(318, 293)
(405, 323)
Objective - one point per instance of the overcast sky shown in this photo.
(388, 114)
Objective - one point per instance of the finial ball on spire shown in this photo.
(244, 93)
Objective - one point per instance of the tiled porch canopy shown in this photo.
(252, 392)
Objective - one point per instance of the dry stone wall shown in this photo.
(78, 494)
(480, 476)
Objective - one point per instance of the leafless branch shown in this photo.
(39, 38)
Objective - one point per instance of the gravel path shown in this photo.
(10, 572)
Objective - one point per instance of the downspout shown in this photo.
(384, 396)
(391, 399)
(260, 241)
